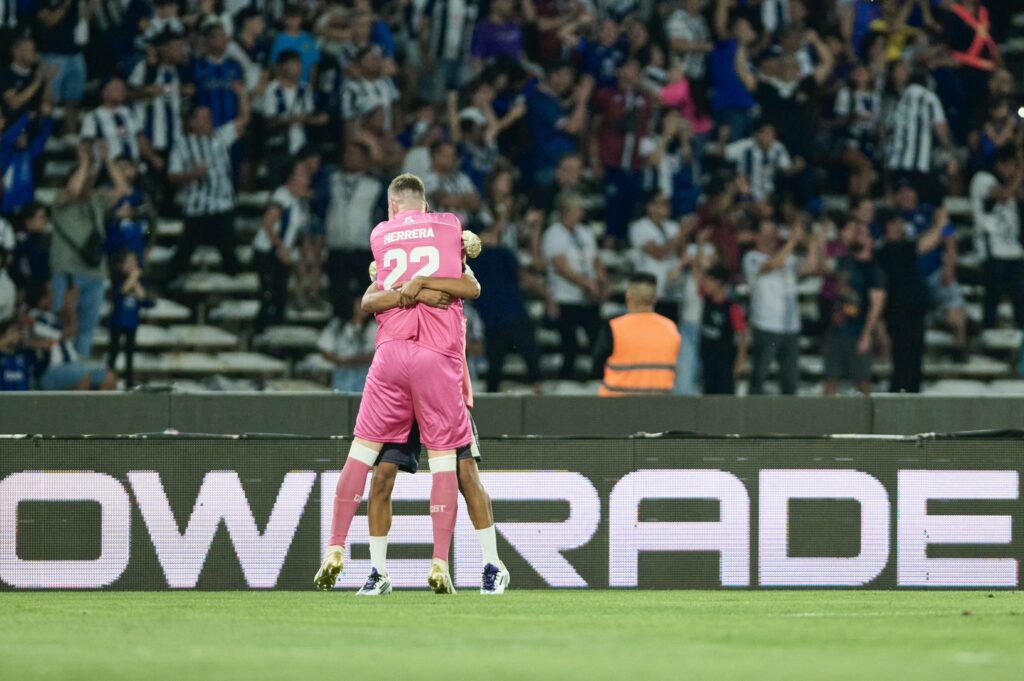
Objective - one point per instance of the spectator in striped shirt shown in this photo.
(758, 161)
(251, 49)
(857, 110)
(201, 165)
(448, 188)
(113, 126)
(357, 202)
(60, 366)
(917, 118)
(996, 200)
(156, 87)
(367, 89)
(444, 31)
(690, 38)
(288, 109)
(274, 248)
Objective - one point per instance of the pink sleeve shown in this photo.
(675, 94)
(452, 220)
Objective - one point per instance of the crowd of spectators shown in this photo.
(693, 140)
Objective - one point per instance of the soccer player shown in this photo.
(404, 456)
(416, 372)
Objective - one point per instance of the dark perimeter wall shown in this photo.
(322, 414)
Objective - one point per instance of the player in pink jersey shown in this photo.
(404, 456)
(416, 373)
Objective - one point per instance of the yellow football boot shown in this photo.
(439, 579)
(327, 575)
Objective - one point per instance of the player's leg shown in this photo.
(495, 577)
(393, 458)
(347, 496)
(379, 511)
(385, 415)
(378, 583)
(444, 427)
(444, 500)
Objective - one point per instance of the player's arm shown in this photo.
(375, 300)
(466, 287)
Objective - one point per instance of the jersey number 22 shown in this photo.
(400, 260)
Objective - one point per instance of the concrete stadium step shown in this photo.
(170, 229)
(289, 338)
(236, 312)
(57, 172)
(294, 385)
(196, 336)
(1008, 386)
(957, 388)
(60, 146)
(1013, 47)
(204, 258)
(1002, 340)
(313, 364)
(198, 364)
(220, 284)
(211, 384)
(1004, 313)
(165, 311)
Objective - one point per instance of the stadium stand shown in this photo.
(518, 98)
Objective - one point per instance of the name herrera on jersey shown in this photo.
(402, 234)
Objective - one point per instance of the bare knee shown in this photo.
(469, 479)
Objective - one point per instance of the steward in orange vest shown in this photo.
(638, 351)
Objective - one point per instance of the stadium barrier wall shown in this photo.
(323, 415)
(180, 512)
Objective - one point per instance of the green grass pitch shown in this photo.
(564, 635)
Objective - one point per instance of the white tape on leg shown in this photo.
(443, 464)
(361, 452)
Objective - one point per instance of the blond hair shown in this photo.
(405, 186)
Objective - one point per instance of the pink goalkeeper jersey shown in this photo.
(467, 381)
(414, 243)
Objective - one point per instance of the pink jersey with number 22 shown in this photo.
(414, 243)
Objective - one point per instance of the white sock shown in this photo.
(489, 545)
(379, 554)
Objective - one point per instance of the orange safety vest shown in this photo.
(982, 40)
(644, 353)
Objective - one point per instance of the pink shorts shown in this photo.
(409, 381)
